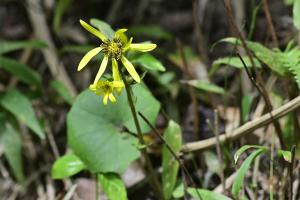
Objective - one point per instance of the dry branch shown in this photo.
(246, 128)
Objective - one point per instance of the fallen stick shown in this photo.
(244, 129)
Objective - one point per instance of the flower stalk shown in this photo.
(153, 178)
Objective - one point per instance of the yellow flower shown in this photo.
(113, 49)
(107, 89)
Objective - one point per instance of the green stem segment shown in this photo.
(154, 180)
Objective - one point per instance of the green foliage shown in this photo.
(287, 155)
(20, 106)
(239, 179)
(234, 62)
(206, 194)
(66, 166)
(289, 132)
(61, 89)
(245, 148)
(246, 106)
(93, 129)
(170, 165)
(113, 186)
(60, 8)
(150, 31)
(21, 71)
(201, 194)
(103, 27)
(148, 62)
(271, 58)
(296, 14)
(205, 86)
(11, 141)
(283, 63)
(9, 46)
(291, 62)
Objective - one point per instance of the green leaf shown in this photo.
(11, 142)
(287, 155)
(60, 8)
(246, 106)
(154, 31)
(170, 165)
(272, 59)
(289, 132)
(20, 106)
(66, 166)
(149, 62)
(21, 71)
(239, 179)
(245, 148)
(103, 27)
(206, 194)
(113, 186)
(205, 86)
(93, 129)
(291, 62)
(234, 62)
(296, 14)
(178, 191)
(61, 89)
(9, 46)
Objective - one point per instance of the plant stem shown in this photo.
(97, 186)
(154, 180)
(272, 168)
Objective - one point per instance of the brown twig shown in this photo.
(246, 128)
(201, 43)
(291, 170)
(259, 80)
(270, 23)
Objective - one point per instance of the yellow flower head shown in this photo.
(113, 49)
(107, 89)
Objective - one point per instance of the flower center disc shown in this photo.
(113, 48)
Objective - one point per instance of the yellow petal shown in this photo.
(127, 45)
(130, 68)
(143, 47)
(120, 31)
(112, 98)
(87, 57)
(118, 84)
(105, 98)
(92, 30)
(101, 69)
(93, 87)
(120, 34)
(115, 70)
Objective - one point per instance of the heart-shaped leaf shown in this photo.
(93, 129)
